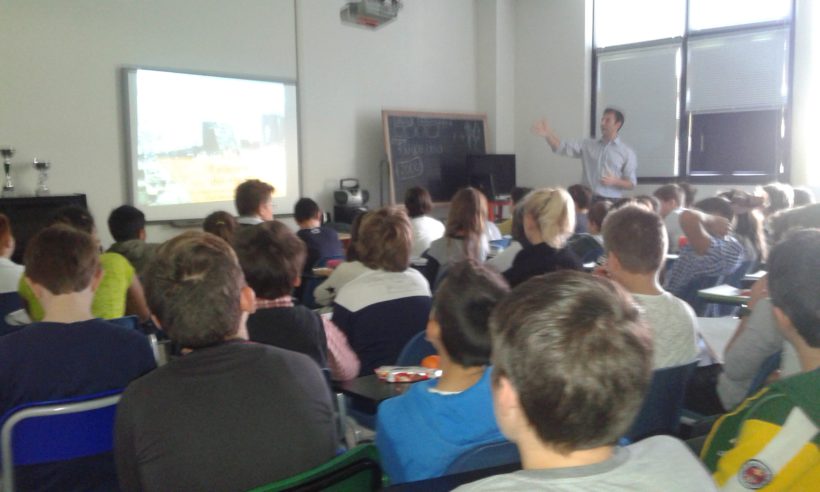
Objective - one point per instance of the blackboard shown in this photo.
(430, 150)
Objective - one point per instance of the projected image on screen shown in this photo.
(198, 136)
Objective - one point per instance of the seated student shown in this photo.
(222, 224)
(749, 227)
(504, 260)
(119, 293)
(426, 229)
(516, 195)
(127, 227)
(711, 250)
(803, 196)
(571, 364)
(672, 198)
(549, 219)
(254, 202)
(772, 440)
(322, 241)
(582, 198)
(10, 272)
(381, 309)
(271, 257)
(422, 431)
(590, 246)
(345, 271)
(229, 414)
(636, 248)
(69, 353)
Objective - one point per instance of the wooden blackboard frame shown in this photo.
(387, 114)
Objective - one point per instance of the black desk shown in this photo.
(366, 392)
(449, 482)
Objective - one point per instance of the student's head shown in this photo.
(254, 198)
(305, 210)
(549, 216)
(717, 205)
(581, 196)
(780, 197)
(596, 215)
(572, 361)
(418, 202)
(637, 238)
(468, 213)
(126, 222)
(794, 283)
(385, 238)
(518, 193)
(355, 236)
(689, 193)
(671, 197)
(272, 257)
(6, 237)
(650, 203)
(196, 290)
(62, 259)
(459, 321)
(807, 216)
(748, 221)
(803, 196)
(221, 224)
(76, 217)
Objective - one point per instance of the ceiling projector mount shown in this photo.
(370, 13)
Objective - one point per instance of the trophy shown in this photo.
(42, 168)
(8, 187)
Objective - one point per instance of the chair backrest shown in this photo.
(771, 364)
(663, 403)
(485, 456)
(415, 350)
(130, 321)
(10, 301)
(59, 430)
(357, 469)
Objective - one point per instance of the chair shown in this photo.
(416, 349)
(690, 293)
(770, 365)
(357, 469)
(663, 403)
(59, 430)
(311, 281)
(131, 322)
(485, 456)
(735, 279)
(9, 302)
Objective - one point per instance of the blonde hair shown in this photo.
(553, 211)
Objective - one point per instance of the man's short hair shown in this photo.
(193, 286)
(125, 222)
(717, 205)
(518, 193)
(418, 202)
(272, 257)
(250, 195)
(598, 211)
(305, 209)
(578, 354)
(669, 192)
(581, 195)
(650, 202)
(462, 307)
(76, 217)
(62, 258)
(637, 237)
(385, 238)
(780, 197)
(794, 281)
(619, 116)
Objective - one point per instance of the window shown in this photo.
(708, 102)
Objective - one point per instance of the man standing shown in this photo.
(609, 164)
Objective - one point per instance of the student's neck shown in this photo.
(537, 456)
(636, 283)
(809, 357)
(455, 377)
(68, 308)
(310, 224)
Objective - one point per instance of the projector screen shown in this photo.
(194, 137)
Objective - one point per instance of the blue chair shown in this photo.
(311, 281)
(132, 322)
(60, 430)
(663, 404)
(770, 365)
(485, 456)
(415, 350)
(9, 302)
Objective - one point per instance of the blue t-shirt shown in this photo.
(420, 433)
(321, 242)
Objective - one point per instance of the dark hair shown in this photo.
(462, 307)
(671, 192)
(637, 237)
(385, 237)
(716, 205)
(468, 212)
(803, 196)
(807, 216)
(272, 257)
(649, 201)
(749, 222)
(619, 116)
(74, 216)
(598, 212)
(355, 237)
(418, 202)
(794, 281)
(125, 222)
(689, 193)
(193, 286)
(222, 224)
(577, 352)
(581, 195)
(5, 231)
(781, 197)
(518, 193)
(62, 258)
(250, 195)
(305, 209)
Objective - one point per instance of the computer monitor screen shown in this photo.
(493, 174)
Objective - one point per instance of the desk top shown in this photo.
(370, 390)
(717, 332)
(725, 294)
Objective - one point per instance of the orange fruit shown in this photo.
(431, 362)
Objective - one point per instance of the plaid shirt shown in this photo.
(343, 362)
(722, 258)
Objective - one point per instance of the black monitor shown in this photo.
(29, 214)
(493, 174)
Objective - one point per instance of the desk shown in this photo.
(495, 209)
(751, 278)
(725, 294)
(717, 332)
(368, 391)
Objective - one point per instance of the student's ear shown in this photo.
(297, 281)
(141, 234)
(613, 264)
(786, 327)
(433, 332)
(96, 279)
(507, 407)
(36, 288)
(247, 300)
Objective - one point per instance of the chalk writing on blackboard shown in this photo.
(409, 169)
